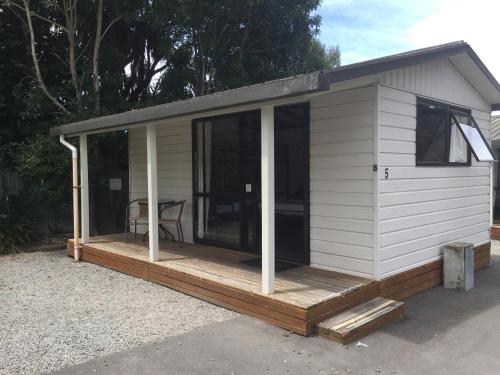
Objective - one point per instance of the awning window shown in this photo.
(475, 139)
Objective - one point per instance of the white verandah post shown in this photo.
(84, 190)
(267, 181)
(152, 193)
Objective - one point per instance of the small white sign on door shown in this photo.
(115, 184)
(248, 188)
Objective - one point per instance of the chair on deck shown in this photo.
(141, 215)
(174, 217)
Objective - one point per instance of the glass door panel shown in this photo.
(291, 182)
(226, 151)
(227, 174)
(250, 170)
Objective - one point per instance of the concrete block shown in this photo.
(458, 264)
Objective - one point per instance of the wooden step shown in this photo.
(361, 320)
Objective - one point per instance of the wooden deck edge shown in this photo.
(495, 232)
(320, 312)
(419, 279)
(269, 310)
(131, 264)
(299, 320)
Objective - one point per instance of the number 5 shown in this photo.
(386, 173)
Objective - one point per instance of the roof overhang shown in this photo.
(260, 93)
(459, 53)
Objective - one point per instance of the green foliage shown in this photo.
(321, 57)
(237, 43)
(14, 232)
(46, 169)
(187, 47)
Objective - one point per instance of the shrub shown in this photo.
(14, 232)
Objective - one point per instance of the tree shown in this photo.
(148, 51)
(68, 60)
(249, 41)
(321, 57)
(63, 18)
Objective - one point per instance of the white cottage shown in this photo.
(307, 196)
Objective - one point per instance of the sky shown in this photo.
(366, 29)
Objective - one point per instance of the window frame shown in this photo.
(449, 114)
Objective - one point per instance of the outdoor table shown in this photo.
(162, 205)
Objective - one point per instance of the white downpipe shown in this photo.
(84, 190)
(76, 216)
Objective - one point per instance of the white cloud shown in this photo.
(476, 22)
(366, 29)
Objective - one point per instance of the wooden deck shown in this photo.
(304, 295)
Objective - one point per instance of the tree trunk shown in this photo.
(38, 73)
(202, 68)
(71, 19)
(95, 59)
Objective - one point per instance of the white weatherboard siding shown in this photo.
(438, 79)
(423, 208)
(174, 168)
(341, 179)
(341, 160)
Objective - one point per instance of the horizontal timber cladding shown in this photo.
(341, 180)
(290, 316)
(174, 168)
(423, 208)
(416, 280)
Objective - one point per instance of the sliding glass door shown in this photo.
(227, 180)
(226, 175)
(291, 154)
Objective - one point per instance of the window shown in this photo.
(433, 134)
(446, 135)
(480, 148)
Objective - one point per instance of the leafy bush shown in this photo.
(14, 232)
(46, 168)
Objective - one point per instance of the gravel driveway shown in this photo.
(55, 313)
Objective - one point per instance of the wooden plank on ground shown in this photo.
(361, 320)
